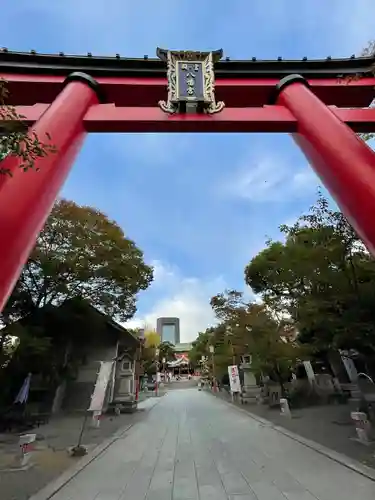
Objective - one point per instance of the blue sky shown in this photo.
(200, 206)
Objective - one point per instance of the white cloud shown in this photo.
(187, 298)
(179, 296)
(269, 179)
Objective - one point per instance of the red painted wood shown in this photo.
(345, 163)
(30, 89)
(108, 118)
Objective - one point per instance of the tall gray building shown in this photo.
(169, 329)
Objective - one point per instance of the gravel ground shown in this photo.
(51, 457)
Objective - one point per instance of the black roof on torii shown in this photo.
(61, 64)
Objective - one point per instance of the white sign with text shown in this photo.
(234, 379)
(102, 381)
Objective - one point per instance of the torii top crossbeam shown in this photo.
(133, 87)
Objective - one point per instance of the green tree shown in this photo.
(167, 351)
(322, 277)
(251, 328)
(81, 253)
(152, 339)
(200, 346)
(273, 350)
(200, 354)
(148, 359)
(15, 140)
(148, 354)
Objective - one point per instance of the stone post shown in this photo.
(362, 426)
(27, 447)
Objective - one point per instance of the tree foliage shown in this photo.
(152, 339)
(153, 353)
(200, 347)
(15, 139)
(148, 360)
(316, 294)
(81, 253)
(322, 278)
(166, 351)
(251, 328)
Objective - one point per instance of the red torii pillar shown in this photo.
(343, 161)
(26, 198)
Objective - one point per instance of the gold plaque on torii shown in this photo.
(191, 81)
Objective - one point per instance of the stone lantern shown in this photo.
(250, 389)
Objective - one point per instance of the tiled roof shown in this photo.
(183, 347)
(117, 65)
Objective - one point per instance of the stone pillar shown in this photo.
(284, 408)
(27, 448)
(124, 394)
(362, 426)
(350, 369)
(250, 389)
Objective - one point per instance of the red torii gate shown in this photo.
(320, 102)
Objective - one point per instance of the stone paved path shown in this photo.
(193, 446)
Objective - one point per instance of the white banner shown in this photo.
(234, 379)
(104, 376)
(350, 368)
(309, 370)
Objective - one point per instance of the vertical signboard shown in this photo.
(234, 379)
(104, 376)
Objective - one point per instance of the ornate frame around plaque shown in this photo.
(191, 79)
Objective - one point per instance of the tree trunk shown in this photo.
(280, 380)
